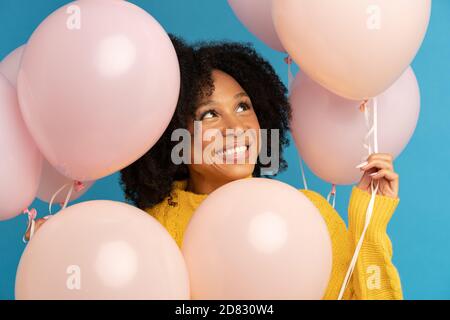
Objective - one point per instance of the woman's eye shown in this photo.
(208, 115)
(242, 107)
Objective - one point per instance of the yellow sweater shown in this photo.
(374, 277)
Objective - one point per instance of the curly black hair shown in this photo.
(148, 181)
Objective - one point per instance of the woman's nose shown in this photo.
(232, 123)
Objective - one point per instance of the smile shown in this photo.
(238, 150)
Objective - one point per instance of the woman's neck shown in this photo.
(200, 185)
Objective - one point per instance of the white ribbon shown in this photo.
(372, 131)
(291, 78)
(69, 194)
(31, 215)
(333, 192)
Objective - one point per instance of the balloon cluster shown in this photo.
(250, 239)
(352, 54)
(92, 91)
(96, 86)
(92, 97)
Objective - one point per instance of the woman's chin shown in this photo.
(233, 172)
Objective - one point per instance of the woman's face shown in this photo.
(229, 132)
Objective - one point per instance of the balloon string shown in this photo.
(75, 186)
(375, 125)
(31, 214)
(332, 194)
(305, 184)
(369, 145)
(360, 242)
(54, 196)
(288, 61)
(69, 194)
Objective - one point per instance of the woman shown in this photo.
(229, 86)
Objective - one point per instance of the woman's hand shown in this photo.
(379, 168)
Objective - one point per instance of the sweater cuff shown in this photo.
(383, 210)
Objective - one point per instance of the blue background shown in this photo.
(419, 229)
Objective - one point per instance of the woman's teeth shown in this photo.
(236, 150)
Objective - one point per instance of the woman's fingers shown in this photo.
(379, 156)
(382, 156)
(384, 173)
(377, 164)
(391, 185)
(379, 167)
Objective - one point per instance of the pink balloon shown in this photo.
(98, 86)
(20, 160)
(256, 15)
(354, 48)
(257, 239)
(329, 130)
(102, 250)
(10, 65)
(52, 181)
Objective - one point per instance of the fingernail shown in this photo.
(361, 165)
(373, 174)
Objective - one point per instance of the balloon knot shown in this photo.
(363, 105)
(31, 213)
(78, 186)
(288, 60)
(333, 189)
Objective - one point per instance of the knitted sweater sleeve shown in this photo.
(375, 276)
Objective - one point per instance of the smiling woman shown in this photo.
(230, 89)
(230, 113)
(224, 87)
(419, 227)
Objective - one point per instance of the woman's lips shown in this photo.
(234, 153)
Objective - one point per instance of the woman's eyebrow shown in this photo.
(240, 95)
(206, 103)
(212, 102)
